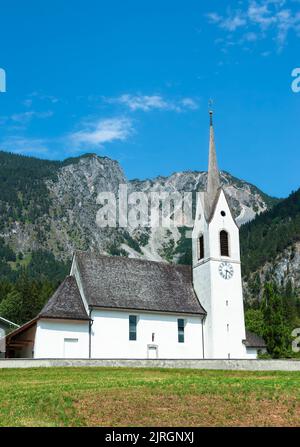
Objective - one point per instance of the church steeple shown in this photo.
(217, 277)
(213, 177)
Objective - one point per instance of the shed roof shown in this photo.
(254, 341)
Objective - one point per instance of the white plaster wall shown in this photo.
(110, 335)
(226, 289)
(202, 273)
(227, 342)
(202, 287)
(50, 335)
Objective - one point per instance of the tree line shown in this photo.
(25, 288)
(274, 318)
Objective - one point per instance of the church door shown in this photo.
(70, 348)
(152, 352)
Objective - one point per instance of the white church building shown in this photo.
(119, 308)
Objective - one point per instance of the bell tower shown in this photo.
(217, 268)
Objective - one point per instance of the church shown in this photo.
(122, 308)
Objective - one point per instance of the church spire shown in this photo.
(213, 178)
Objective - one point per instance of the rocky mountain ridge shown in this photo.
(70, 190)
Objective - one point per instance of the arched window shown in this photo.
(200, 247)
(224, 245)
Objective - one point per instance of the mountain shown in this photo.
(50, 207)
(270, 247)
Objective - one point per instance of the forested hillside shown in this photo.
(270, 249)
(26, 284)
(24, 195)
(264, 238)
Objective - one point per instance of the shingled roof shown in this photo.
(66, 302)
(254, 341)
(119, 282)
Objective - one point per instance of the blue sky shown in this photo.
(132, 79)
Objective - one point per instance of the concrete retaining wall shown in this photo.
(247, 365)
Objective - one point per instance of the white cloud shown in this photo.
(189, 103)
(22, 145)
(258, 19)
(147, 103)
(260, 14)
(98, 132)
(229, 23)
(25, 117)
(43, 97)
(92, 134)
(27, 102)
(250, 37)
(21, 120)
(214, 17)
(233, 22)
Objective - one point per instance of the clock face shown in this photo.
(226, 270)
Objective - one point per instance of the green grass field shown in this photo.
(148, 397)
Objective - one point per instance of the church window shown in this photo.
(200, 247)
(227, 327)
(224, 244)
(223, 213)
(180, 324)
(132, 327)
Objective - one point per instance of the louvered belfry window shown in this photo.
(224, 244)
(201, 247)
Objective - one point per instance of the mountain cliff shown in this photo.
(270, 247)
(51, 206)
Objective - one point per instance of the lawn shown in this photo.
(148, 397)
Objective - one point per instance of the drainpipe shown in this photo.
(90, 331)
(202, 337)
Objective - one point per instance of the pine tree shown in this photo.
(276, 330)
(11, 307)
(254, 321)
(289, 295)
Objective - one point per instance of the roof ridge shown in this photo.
(126, 259)
(119, 282)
